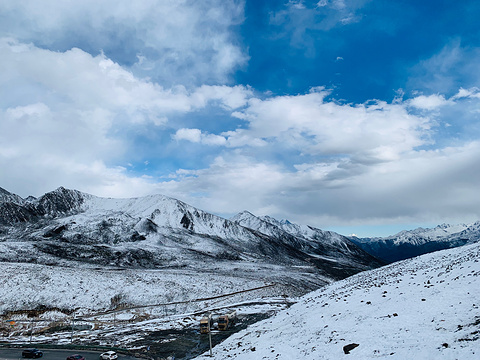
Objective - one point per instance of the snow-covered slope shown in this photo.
(421, 236)
(67, 228)
(422, 308)
(6, 196)
(407, 244)
(326, 249)
(271, 226)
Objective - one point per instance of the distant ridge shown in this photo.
(407, 244)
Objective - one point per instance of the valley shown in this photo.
(139, 274)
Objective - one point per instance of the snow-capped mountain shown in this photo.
(407, 244)
(327, 250)
(70, 228)
(68, 252)
(6, 196)
(421, 308)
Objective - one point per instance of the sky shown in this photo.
(357, 116)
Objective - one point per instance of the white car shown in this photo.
(109, 355)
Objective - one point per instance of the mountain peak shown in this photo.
(6, 196)
(61, 200)
(243, 215)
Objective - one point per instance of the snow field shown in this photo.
(26, 286)
(422, 308)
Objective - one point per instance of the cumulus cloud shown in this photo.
(377, 131)
(430, 102)
(366, 163)
(229, 97)
(176, 42)
(77, 78)
(196, 136)
(416, 188)
(77, 109)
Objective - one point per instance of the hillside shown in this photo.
(67, 229)
(422, 308)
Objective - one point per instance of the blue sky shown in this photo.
(357, 116)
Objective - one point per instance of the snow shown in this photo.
(271, 226)
(164, 211)
(123, 306)
(25, 286)
(420, 236)
(421, 308)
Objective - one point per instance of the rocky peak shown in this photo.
(242, 216)
(8, 197)
(60, 201)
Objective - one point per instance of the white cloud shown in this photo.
(80, 80)
(339, 4)
(377, 131)
(193, 135)
(362, 164)
(196, 136)
(297, 4)
(77, 109)
(230, 97)
(417, 188)
(173, 41)
(430, 102)
(466, 93)
(453, 67)
(230, 183)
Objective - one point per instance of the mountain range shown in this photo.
(407, 244)
(74, 229)
(68, 252)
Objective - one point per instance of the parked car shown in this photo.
(75, 357)
(32, 353)
(109, 355)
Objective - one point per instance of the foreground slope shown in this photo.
(422, 308)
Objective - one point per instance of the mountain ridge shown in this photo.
(410, 243)
(70, 228)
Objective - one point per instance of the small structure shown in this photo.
(226, 320)
(206, 324)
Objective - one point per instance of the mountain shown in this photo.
(421, 308)
(6, 196)
(160, 264)
(407, 244)
(68, 228)
(326, 249)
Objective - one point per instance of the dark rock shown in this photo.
(349, 347)
(186, 222)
